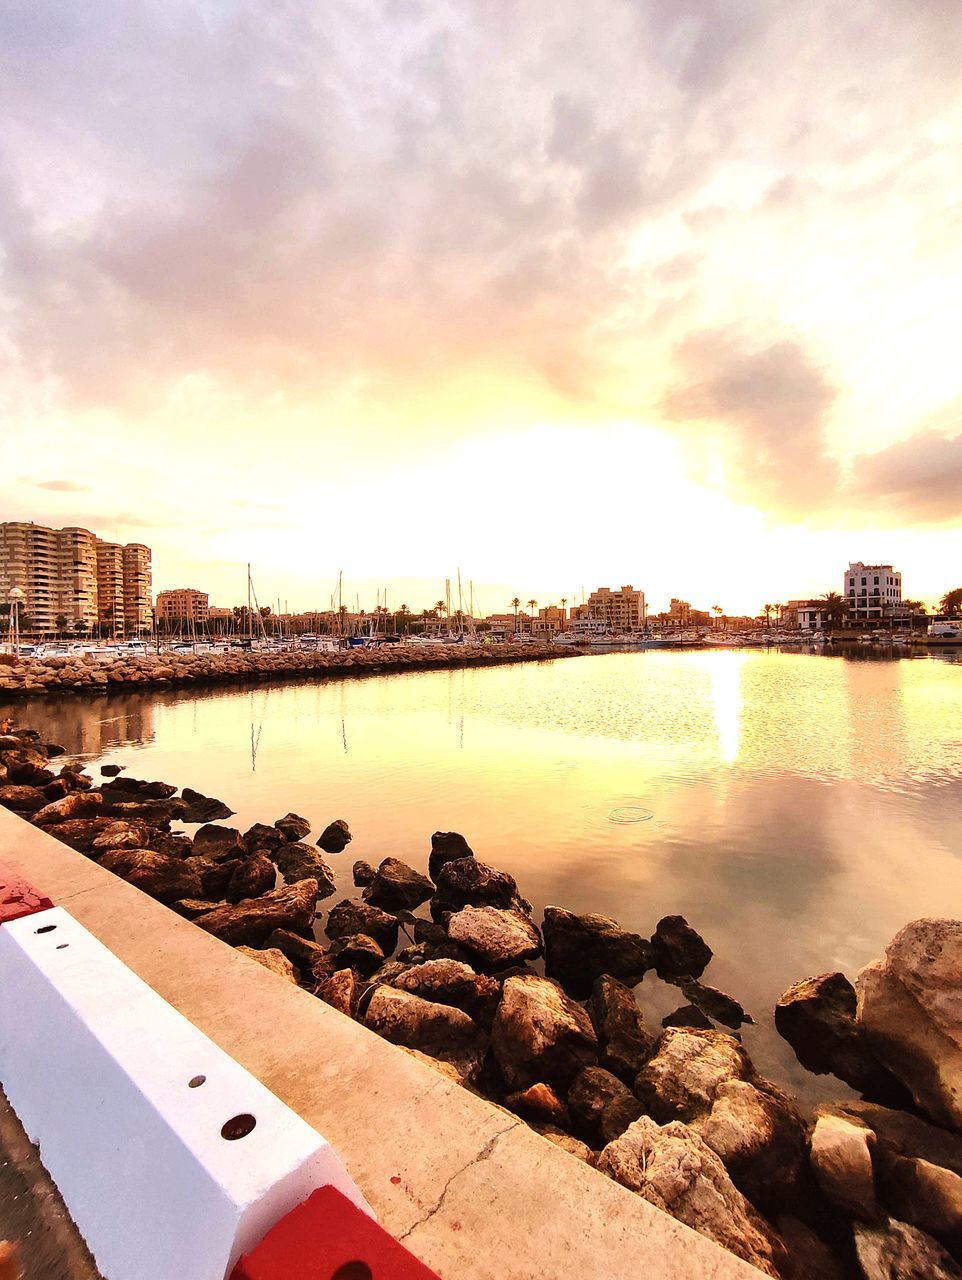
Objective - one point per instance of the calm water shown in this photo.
(798, 809)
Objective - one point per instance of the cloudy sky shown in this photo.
(660, 291)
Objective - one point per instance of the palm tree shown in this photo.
(836, 608)
(951, 602)
(515, 603)
(532, 605)
(564, 616)
(767, 610)
(61, 622)
(777, 609)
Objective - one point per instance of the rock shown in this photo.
(675, 1170)
(446, 846)
(496, 938)
(926, 1195)
(335, 837)
(27, 767)
(716, 1004)
(22, 799)
(251, 878)
(214, 877)
(201, 808)
(157, 813)
(910, 1008)
(220, 844)
(127, 789)
(688, 1016)
(111, 770)
(249, 922)
(683, 1076)
(271, 959)
(56, 790)
(297, 860)
(538, 1103)
(601, 1107)
(905, 1134)
(678, 950)
(540, 1035)
(340, 991)
(435, 1029)
(363, 874)
(841, 1157)
(358, 952)
(450, 982)
(579, 949)
(121, 834)
(80, 804)
(307, 954)
(76, 777)
(191, 908)
(759, 1136)
(558, 1138)
(80, 833)
(817, 1018)
(261, 838)
(625, 1044)
(293, 827)
(165, 878)
(809, 1257)
(398, 887)
(896, 1251)
(465, 882)
(54, 749)
(348, 918)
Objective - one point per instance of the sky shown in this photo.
(653, 291)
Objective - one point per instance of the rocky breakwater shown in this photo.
(32, 677)
(539, 1016)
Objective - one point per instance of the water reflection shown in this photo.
(798, 808)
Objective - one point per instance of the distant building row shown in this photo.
(870, 593)
(76, 576)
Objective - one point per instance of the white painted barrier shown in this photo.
(172, 1159)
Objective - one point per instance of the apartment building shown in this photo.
(621, 610)
(72, 574)
(183, 605)
(871, 591)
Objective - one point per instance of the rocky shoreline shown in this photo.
(33, 677)
(540, 1018)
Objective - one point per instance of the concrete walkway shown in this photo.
(470, 1189)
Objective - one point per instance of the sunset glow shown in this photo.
(662, 292)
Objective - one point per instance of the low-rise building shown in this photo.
(872, 592)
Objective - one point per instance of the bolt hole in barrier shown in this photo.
(47, 928)
(195, 1082)
(353, 1271)
(238, 1127)
(62, 946)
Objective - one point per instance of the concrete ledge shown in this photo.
(471, 1190)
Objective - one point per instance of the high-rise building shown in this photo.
(72, 575)
(183, 605)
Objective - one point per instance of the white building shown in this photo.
(871, 591)
(617, 611)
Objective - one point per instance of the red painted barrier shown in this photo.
(328, 1238)
(18, 897)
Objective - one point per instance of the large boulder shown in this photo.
(22, 799)
(817, 1018)
(293, 827)
(359, 952)
(465, 882)
(313, 960)
(894, 1250)
(678, 950)
(340, 991)
(260, 838)
(251, 921)
(446, 846)
(601, 1106)
(27, 766)
(539, 1034)
(683, 1076)
(349, 918)
(121, 833)
(80, 804)
(716, 1004)
(578, 949)
(137, 788)
(335, 837)
(271, 959)
(453, 983)
(435, 1029)
(496, 939)
(675, 1170)
(80, 833)
(910, 1008)
(625, 1043)
(841, 1157)
(201, 808)
(251, 878)
(163, 877)
(220, 844)
(298, 859)
(398, 887)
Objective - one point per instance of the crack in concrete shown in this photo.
(484, 1154)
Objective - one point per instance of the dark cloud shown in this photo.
(769, 404)
(918, 479)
